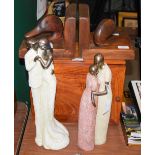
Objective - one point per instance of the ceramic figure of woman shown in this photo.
(87, 112)
(50, 133)
(104, 77)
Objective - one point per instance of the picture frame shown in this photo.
(126, 19)
(130, 22)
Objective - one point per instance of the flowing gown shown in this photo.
(104, 106)
(50, 133)
(87, 116)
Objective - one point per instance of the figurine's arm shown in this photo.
(93, 93)
(29, 59)
(108, 75)
(92, 99)
(100, 93)
(44, 66)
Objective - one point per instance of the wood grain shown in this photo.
(109, 47)
(64, 47)
(115, 144)
(71, 79)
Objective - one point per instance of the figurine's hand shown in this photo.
(92, 98)
(52, 72)
(92, 95)
(36, 58)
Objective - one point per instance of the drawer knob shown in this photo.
(117, 98)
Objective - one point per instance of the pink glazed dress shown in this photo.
(87, 116)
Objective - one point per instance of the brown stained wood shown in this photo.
(115, 144)
(70, 36)
(49, 23)
(110, 54)
(104, 30)
(71, 76)
(70, 30)
(58, 52)
(71, 79)
(109, 48)
(88, 62)
(64, 46)
(18, 122)
(84, 27)
(118, 77)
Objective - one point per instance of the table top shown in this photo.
(119, 46)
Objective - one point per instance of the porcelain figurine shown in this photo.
(104, 77)
(50, 133)
(87, 112)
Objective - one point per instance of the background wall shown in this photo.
(24, 20)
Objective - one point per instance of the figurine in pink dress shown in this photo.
(87, 112)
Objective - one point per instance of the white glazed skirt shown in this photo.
(50, 133)
(102, 118)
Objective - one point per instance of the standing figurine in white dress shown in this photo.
(50, 133)
(104, 102)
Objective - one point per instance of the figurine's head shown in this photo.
(99, 60)
(93, 69)
(33, 43)
(44, 43)
(47, 48)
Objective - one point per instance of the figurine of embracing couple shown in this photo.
(95, 105)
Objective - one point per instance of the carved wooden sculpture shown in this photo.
(103, 31)
(51, 27)
(102, 40)
(49, 24)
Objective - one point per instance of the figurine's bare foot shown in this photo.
(38, 142)
(100, 142)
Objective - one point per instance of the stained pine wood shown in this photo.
(115, 143)
(110, 48)
(71, 79)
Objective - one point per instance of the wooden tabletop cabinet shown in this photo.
(71, 75)
(71, 79)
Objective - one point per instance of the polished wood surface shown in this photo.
(84, 27)
(109, 47)
(104, 30)
(50, 23)
(115, 143)
(71, 79)
(71, 76)
(70, 31)
(64, 46)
